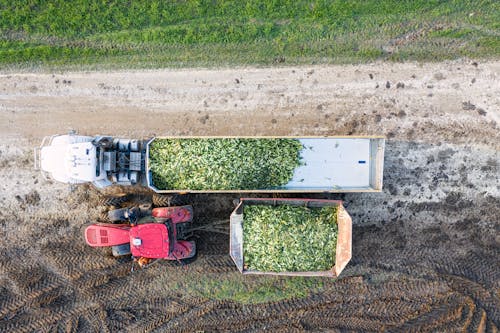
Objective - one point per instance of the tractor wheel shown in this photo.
(191, 259)
(117, 215)
(103, 217)
(160, 200)
(182, 230)
(180, 200)
(110, 200)
(121, 250)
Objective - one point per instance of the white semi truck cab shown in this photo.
(103, 161)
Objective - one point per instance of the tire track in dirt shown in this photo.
(481, 297)
(357, 305)
(33, 283)
(185, 319)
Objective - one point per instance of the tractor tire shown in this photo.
(117, 215)
(121, 250)
(160, 200)
(103, 217)
(182, 230)
(191, 259)
(115, 201)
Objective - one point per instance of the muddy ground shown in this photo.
(425, 250)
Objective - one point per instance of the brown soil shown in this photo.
(426, 249)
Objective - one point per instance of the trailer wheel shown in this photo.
(110, 200)
(103, 142)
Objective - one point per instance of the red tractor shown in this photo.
(149, 236)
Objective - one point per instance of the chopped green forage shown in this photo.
(223, 164)
(289, 238)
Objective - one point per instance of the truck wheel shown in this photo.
(110, 200)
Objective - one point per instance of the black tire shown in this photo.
(190, 260)
(162, 200)
(103, 217)
(121, 250)
(181, 200)
(115, 201)
(118, 215)
(103, 142)
(182, 230)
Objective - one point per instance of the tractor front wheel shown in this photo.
(118, 215)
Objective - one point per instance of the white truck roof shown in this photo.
(69, 162)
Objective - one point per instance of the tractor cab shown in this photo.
(152, 240)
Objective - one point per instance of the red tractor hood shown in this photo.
(107, 234)
(149, 240)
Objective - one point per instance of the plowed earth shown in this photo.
(425, 251)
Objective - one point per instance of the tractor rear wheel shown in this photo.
(162, 200)
(191, 259)
(182, 230)
(113, 200)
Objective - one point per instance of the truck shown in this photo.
(327, 164)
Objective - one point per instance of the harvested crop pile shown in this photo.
(223, 164)
(289, 239)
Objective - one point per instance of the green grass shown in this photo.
(252, 289)
(150, 34)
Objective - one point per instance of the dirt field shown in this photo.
(426, 250)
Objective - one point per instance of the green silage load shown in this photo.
(223, 163)
(288, 238)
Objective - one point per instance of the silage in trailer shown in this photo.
(223, 163)
(287, 238)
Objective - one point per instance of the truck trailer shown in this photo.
(324, 164)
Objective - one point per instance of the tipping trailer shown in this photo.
(342, 247)
(327, 164)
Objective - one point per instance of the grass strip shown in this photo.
(93, 34)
